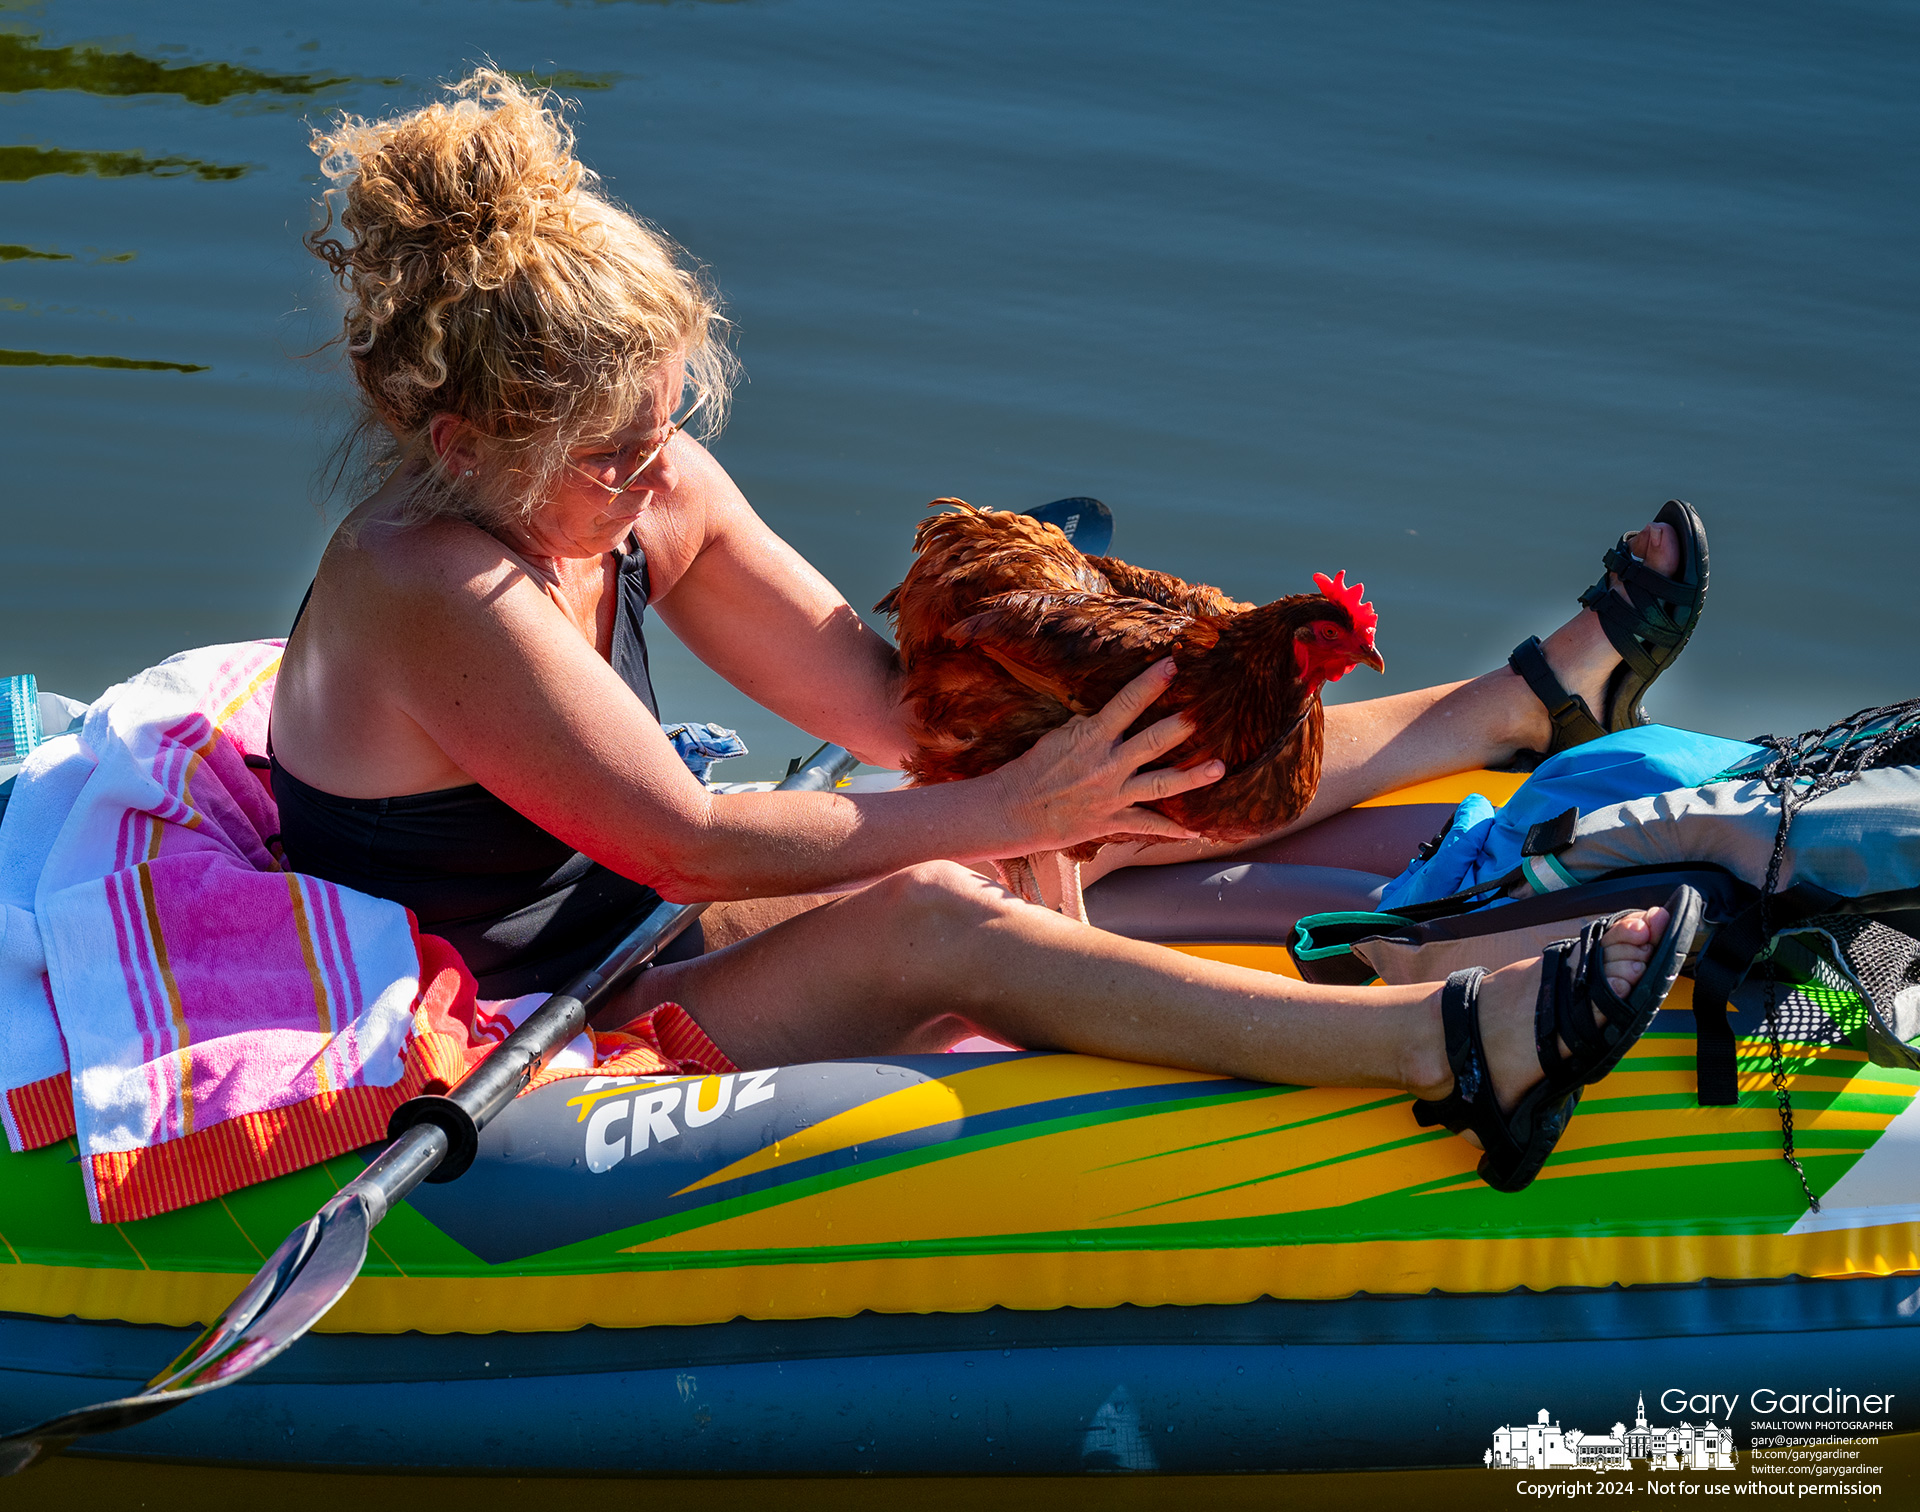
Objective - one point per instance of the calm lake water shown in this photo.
(1443, 294)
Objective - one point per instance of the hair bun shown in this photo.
(456, 195)
(499, 173)
(487, 278)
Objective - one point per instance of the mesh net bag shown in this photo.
(1863, 978)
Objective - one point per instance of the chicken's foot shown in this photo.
(1073, 902)
(1023, 876)
(1018, 875)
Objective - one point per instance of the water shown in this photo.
(1444, 295)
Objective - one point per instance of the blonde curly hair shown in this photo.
(488, 278)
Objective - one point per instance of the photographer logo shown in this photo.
(1544, 1445)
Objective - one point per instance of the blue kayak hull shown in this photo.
(1362, 1383)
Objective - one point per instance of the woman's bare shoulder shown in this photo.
(409, 606)
(374, 557)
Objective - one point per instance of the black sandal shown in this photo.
(1573, 983)
(1648, 633)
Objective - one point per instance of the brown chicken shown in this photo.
(1005, 631)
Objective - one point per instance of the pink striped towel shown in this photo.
(196, 1017)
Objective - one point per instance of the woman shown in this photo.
(463, 719)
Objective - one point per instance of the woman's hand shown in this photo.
(1083, 780)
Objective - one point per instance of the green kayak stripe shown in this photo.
(1856, 1141)
(1761, 1058)
(1846, 1146)
(1372, 1222)
(1761, 1196)
(1876, 1103)
(1213, 1144)
(1346, 1157)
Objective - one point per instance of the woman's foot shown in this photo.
(1507, 1000)
(1580, 654)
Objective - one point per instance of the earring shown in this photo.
(468, 473)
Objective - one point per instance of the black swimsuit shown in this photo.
(525, 910)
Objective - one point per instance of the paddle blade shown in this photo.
(1087, 523)
(290, 1293)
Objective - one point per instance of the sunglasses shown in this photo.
(614, 490)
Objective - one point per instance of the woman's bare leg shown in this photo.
(933, 954)
(1385, 744)
(727, 924)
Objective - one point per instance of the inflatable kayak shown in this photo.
(1022, 1264)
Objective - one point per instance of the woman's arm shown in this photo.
(489, 670)
(753, 609)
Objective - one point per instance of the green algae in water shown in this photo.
(563, 79)
(18, 164)
(24, 65)
(63, 359)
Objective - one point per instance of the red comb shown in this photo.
(1335, 588)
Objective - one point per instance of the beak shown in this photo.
(1373, 658)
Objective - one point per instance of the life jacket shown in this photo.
(1807, 851)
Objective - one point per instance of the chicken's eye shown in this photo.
(1328, 633)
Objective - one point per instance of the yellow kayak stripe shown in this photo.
(971, 1283)
(1495, 787)
(1207, 1164)
(989, 1089)
(1094, 1179)
(1269, 958)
